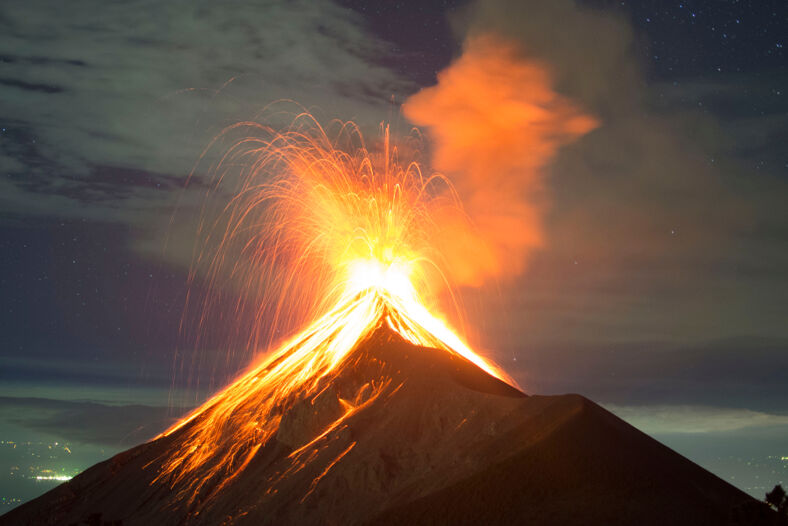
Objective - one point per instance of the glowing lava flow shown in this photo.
(299, 368)
(362, 238)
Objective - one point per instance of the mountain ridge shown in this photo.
(407, 434)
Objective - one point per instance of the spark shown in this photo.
(343, 237)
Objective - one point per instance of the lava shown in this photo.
(358, 228)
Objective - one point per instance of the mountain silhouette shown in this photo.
(403, 434)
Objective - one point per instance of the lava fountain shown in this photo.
(354, 225)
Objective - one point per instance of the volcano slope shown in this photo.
(411, 435)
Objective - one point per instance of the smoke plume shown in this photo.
(495, 123)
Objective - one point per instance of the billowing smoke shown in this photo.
(495, 123)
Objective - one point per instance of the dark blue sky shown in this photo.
(663, 284)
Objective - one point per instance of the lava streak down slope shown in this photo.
(410, 435)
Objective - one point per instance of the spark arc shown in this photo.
(358, 228)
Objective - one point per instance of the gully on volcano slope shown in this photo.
(395, 433)
(227, 430)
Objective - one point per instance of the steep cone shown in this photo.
(404, 434)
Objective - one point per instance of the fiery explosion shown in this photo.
(358, 228)
(322, 232)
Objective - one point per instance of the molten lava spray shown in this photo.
(357, 229)
(325, 230)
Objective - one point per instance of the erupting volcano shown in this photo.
(377, 412)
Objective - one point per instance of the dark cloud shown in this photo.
(141, 87)
(744, 373)
(86, 422)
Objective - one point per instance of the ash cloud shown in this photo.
(658, 230)
(495, 123)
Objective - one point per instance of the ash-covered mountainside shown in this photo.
(409, 435)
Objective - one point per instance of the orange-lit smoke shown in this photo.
(495, 123)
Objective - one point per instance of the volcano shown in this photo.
(401, 434)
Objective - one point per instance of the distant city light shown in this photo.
(61, 478)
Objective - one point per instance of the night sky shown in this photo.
(661, 290)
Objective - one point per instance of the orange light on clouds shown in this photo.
(495, 122)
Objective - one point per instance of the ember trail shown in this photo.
(343, 236)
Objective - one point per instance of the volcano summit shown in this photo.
(397, 434)
(377, 412)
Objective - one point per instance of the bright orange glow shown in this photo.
(356, 229)
(496, 123)
(244, 415)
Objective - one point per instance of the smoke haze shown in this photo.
(495, 123)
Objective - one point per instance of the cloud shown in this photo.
(740, 373)
(495, 123)
(88, 87)
(659, 230)
(669, 419)
(86, 422)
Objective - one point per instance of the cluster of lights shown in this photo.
(59, 478)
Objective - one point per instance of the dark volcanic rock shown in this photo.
(434, 440)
